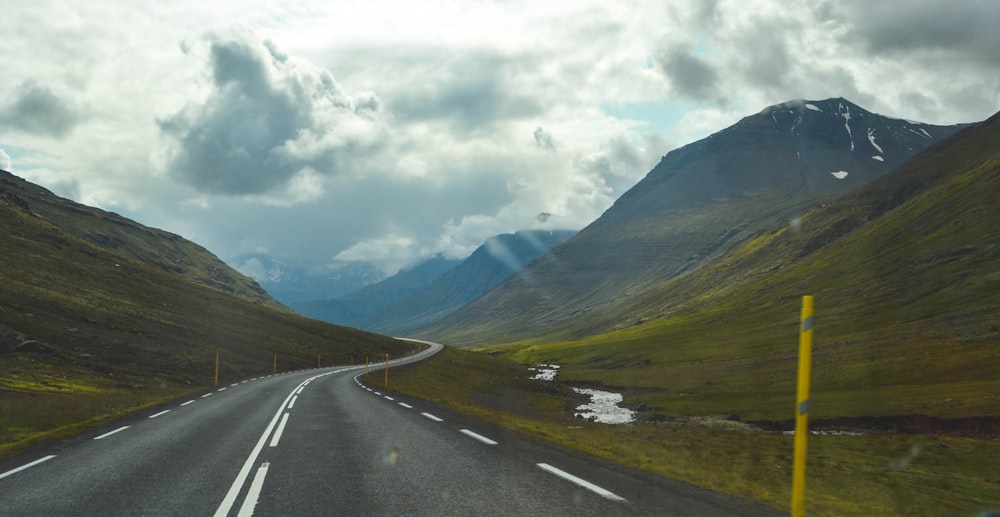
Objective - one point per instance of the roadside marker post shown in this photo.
(386, 371)
(216, 367)
(275, 368)
(802, 408)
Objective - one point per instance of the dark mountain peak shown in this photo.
(797, 147)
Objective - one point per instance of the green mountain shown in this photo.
(699, 202)
(120, 235)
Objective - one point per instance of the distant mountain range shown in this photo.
(292, 282)
(433, 289)
(697, 203)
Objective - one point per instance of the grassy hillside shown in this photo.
(123, 236)
(85, 331)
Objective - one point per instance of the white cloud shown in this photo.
(5, 162)
(389, 132)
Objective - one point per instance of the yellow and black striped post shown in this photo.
(802, 408)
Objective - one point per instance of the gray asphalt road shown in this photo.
(321, 442)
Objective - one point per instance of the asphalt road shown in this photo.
(322, 442)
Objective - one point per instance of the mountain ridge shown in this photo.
(698, 202)
(110, 231)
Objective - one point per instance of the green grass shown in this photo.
(882, 474)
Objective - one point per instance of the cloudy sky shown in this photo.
(389, 131)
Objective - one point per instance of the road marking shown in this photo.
(404, 404)
(281, 429)
(244, 382)
(234, 489)
(207, 395)
(105, 435)
(477, 436)
(387, 397)
(583, 483)
(432, 417)
(188, 402)
(26, 466)
(246, 510)
(164, 412)
(292, 403)
(377, 393)
(221, 389)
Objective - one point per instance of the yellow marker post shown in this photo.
(275, 369)
(319, 359)
(802, 408)
(216, 367)
(386, 371)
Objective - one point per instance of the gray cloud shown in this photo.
(268, 121)
(904, 26)
(543, 139)
(689, 75)
(36, 109)
(473, 92)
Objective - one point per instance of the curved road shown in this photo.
(321, 442)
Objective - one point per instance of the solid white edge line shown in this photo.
(186, 403)
(164, 412)
(583, 483)
(292, 403)
(404, 404)
(281, 429)
(105, 435)
(477, 436)
(26, 466)
(246, 510)
(432, 417)
(234, 489)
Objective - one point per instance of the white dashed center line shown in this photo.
(188, 402)
(281, 429)
(404, 404)
(432, 417)
(165, 411)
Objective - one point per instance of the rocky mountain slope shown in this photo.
(698, 202)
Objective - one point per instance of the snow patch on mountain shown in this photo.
(879, 158)
(839, 174)
(871, 138)
(846, 112)
(813, 107)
